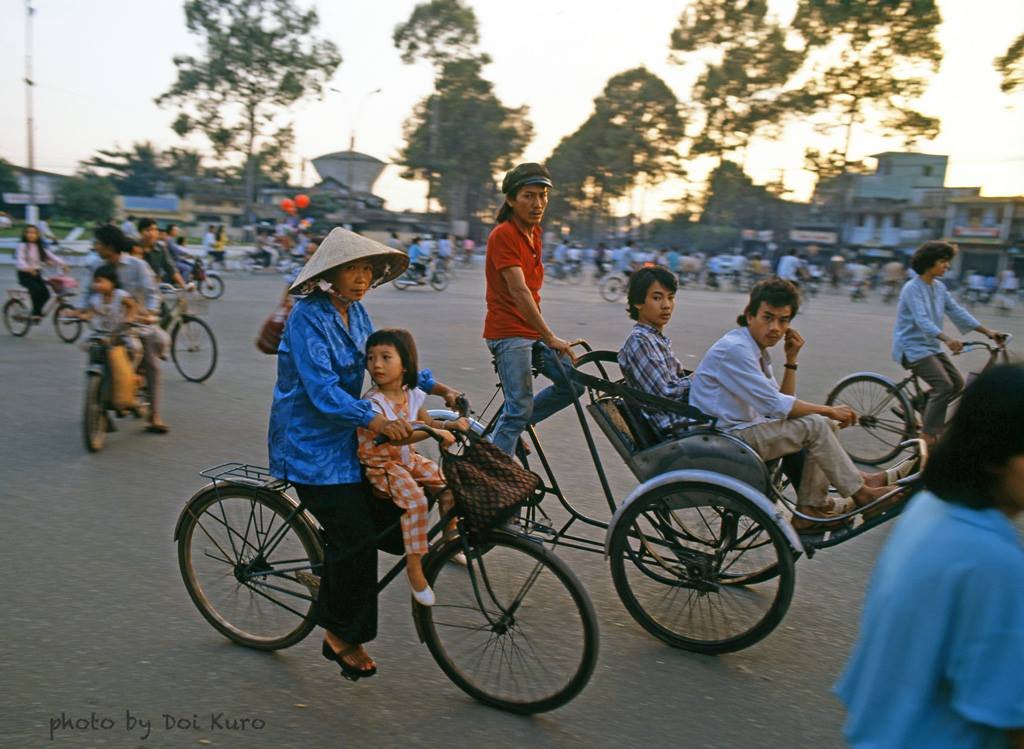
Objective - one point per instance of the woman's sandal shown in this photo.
(349, 671)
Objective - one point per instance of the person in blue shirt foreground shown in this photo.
(923, 303)
(940, 657)
(312, 435)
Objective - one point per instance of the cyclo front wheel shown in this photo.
(885, 418)
(514, 628)
(193, 348)
(251, 566)
(688, 560)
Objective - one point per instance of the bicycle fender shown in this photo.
(715, 479)
(284, 496)
(887, 380)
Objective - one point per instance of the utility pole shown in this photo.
(31, 210)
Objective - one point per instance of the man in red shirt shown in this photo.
(514, 328)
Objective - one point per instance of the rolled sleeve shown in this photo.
(425, 381)
(319, 376)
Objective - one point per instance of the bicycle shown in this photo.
(209, 283)
(18, 320)
(888, 411)
(434, 275)
(242, 540)
(97, 407)
(193, 345)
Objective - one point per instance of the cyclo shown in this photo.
(701, 552)
(512, 627)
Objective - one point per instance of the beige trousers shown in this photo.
(826, 462)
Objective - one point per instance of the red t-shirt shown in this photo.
(507, 246)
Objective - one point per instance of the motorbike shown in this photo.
(417, 275)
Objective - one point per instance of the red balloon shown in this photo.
(288, 205)
(302, 201)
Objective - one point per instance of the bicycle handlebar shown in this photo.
(417, 426)
(999, 345)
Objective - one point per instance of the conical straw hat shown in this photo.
(342, 246)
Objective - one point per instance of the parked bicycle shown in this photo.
(512, 626)
(888, 411)
(193, 345)
(17, 310)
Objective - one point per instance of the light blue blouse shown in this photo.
(940, 655)
(919, 319)
(316, 409)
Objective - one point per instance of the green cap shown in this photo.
(525, 174)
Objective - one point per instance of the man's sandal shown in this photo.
(349, 671)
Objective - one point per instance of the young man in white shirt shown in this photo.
(735, 383)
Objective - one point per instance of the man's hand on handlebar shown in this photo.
(560, 346)
(395, 430)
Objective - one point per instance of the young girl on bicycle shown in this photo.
(395, 469)
(111, 309)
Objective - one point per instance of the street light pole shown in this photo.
(352, 148)
(31, 211)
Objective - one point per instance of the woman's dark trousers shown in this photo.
(36, 290)
(347, 603)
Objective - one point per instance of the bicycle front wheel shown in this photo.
(94, 415)
(212, 287)
(439, 280)
(250, 565)
(68, 326)
(612, 288)
(701, 567)
(16, 318)
(885, 418)
(193, 349)
(514, 628)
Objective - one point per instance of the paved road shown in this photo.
(96, 621)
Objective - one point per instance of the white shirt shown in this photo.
(735, 383)
(789, 267)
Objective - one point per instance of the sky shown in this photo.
(98, 64)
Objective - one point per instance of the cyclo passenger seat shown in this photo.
(696, 443)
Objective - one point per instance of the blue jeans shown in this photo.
(513, 358)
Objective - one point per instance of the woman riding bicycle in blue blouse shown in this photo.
(312, 435)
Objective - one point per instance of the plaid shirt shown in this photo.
(649, 364)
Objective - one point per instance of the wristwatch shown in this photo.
(790, 366)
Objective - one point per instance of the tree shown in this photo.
(86, 197)
(443, 33)
(739, 96)
(1011, 67)
(631, 138)
(868, 61)
(440, 31)
(8, 177)
(259, 56)
(476, 136)
(137, 170)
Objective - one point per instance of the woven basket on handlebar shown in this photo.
(487, 484)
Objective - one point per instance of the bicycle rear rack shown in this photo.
(244, 473)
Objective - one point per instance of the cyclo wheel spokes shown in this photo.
(701, 568)
(513, 629)
(251, 566)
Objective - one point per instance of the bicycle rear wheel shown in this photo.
(702, 568)
(438, 280)
(514, 629)
(885, 418)
(16, 318)
(252, 572)
(193, 348)
(68, 328)
(612, 288)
